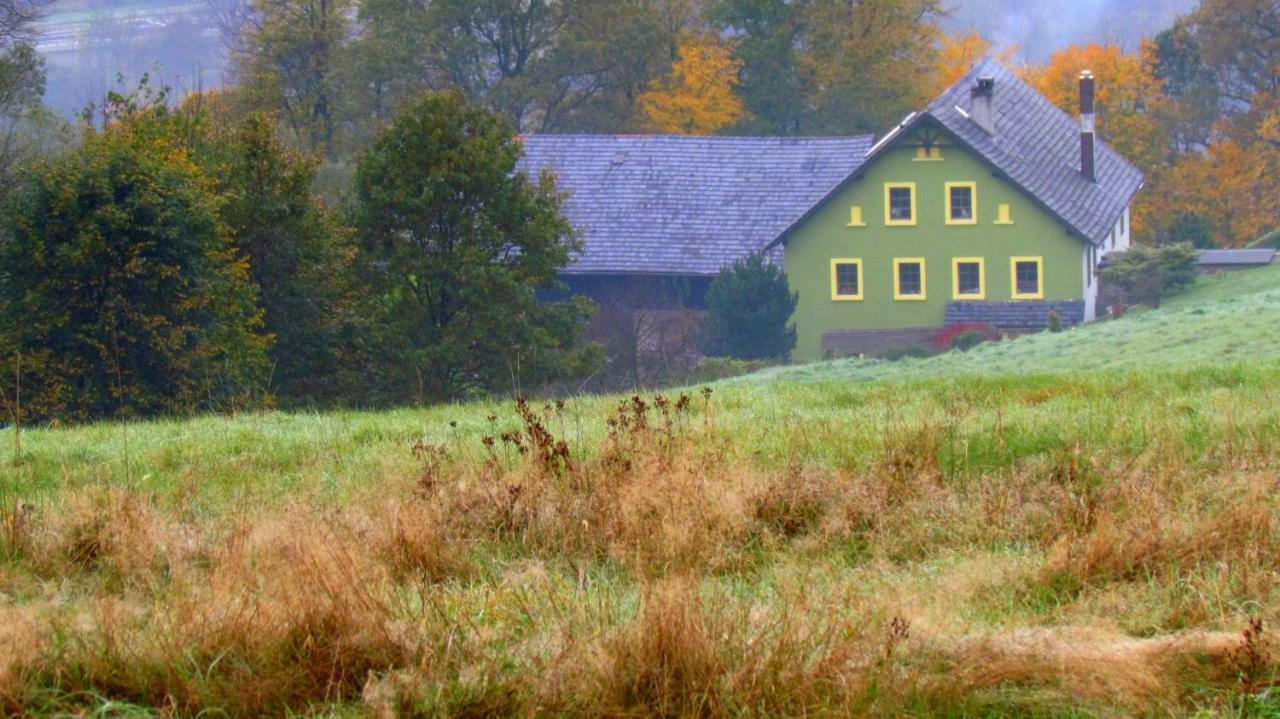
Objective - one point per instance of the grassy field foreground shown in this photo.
(930, 538)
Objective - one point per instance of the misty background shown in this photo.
(92, 46)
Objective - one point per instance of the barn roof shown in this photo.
(660, 204)
(1237, 258)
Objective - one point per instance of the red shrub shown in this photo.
(942, 341)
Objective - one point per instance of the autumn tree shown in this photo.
(121, 287)
(958, 54)
(697, 97)
(1220, 71)
(1128, 96)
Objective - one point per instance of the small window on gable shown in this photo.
(962, 203)
(928, 154)
(900, 203)
(908, 279)
(846, 279)
(1002, 215)
(1028, 283)
(855, 217)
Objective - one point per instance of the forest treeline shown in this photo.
(341, 224)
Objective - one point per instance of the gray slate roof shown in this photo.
(686, 205)
(1242, 258)
(1037, 146)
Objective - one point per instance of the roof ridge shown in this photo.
(670, 136)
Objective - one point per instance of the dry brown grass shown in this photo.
(540, 581)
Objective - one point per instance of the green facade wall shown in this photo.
(826, 235)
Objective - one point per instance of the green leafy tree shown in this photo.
(22, 84)
(286, 56)
(120, 287)
(1146, 274)
(299, 256)
(830, 66)
(1189, 85)
(870, 61)
(772, 87)
(545, 65)
(457, 245)
(748, 305)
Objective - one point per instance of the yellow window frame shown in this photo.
(981, 294)
(855, 216)
(1003, 216)
(973, 195)
(897, 285)
(1013, 278)
(835, 282)
(888, 209)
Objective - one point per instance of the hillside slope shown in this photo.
(990, 534)
(1234, 317)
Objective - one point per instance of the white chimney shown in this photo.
(981, 108)
(1087, 127)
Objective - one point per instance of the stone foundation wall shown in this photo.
(855, 342)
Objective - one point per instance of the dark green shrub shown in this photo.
(1146, 275)
(748, 307)
(1055, 321)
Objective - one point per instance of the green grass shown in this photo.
(1106, 486)
(1210, 352)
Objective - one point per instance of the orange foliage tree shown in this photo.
(957, 54)
(1128, 97)
(1129, 101)
(697, 97)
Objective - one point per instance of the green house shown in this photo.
(990, 205)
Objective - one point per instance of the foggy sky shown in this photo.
(1037, 28)
(92, 46)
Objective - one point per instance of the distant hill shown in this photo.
(92, 46)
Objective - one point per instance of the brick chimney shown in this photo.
(981, 109)
(1087, 127)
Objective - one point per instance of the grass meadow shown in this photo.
(1073, 524)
